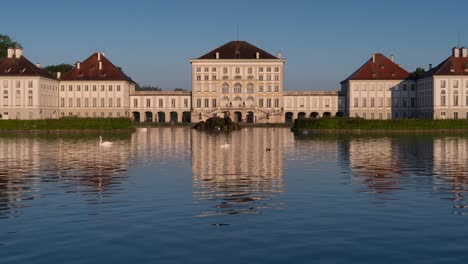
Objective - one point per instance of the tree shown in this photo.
(5, 43)
(418, 72)
(147, 88)
(53, 69)
(179, 89)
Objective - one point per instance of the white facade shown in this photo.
(313, 104)
(95, 98)
(381, 99)
(160, 106)
(26, 94)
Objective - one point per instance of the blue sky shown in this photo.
(323, 41)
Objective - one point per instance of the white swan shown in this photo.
(225, 145)
(105, 143)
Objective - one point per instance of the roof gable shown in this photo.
(21, 67)
(96, 68)
(451, 66)
(379, 67)
(237, 50)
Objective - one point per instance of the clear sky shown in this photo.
(323, 41)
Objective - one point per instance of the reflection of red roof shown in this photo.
(380, 68)
(451, 66)
(237, 50)
(21, 67)
(89, 70)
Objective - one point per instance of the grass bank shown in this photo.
(364, 124)
(68, 123)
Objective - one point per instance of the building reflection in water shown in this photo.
(451, 170)
(35, 166)
(243, 178)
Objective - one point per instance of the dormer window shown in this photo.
(393, 74)
(452, 70)
(382, 67)
(374, 74)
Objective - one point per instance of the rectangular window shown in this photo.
(30, 100)
(5, 84)
(86, 88)
(78, 88)
(225, 70)
(260, 69)
(412, 87)
(412, 102)
(260, 102)
(276, 69)
(198, 77)
(213, 77)
(268, 102)
(102, 88)
(86, 102)
(260, 78)
(268, 77)
(237, 70)
(206, 69)
(173, 102)
(118, 102)
(249, 70)
(356, 102)
(78, 102)
(185, 102)
(111, 102)
(213, 103)
(148, 102)
(70, 102)
(70, 88)
(276, 102)
(94, 102)
(198, 69)
(404, 87)
(198, 102)
(118, 88)
(94, 87)
(380, 102)
(213, 69)
(364, 102)
(30, 84)
(455, 84)
(135, 102)
(268, 69)
(372, 102)
(207, 78)
(161, 102)
(18, 84)
(207, 102)
(62, 102)
(442, 84)
(110, 88)
(260, 89)
(301, 102)
(103, 102)
(276, 77)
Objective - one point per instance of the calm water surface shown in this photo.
(173, 195)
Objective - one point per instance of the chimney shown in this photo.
(59, 75)
(78, 65)
(100, 65)
(464, 52)
(392, 58)
(430, 66)
(456, 52)
(18, 52)
(278, 55)
(217, 55)
(11, 52)
(99, 56)
(38, 65)
(257, 55)
(373, 58)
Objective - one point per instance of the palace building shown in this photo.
(238, 80)
(27, 91)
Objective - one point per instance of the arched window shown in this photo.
(237, 88)
(442, 98)
(225, 88)
(250, 88)
(455, 98)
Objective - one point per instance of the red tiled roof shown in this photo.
(89, 70)
(237, 50)
(381, 69)
(21, 67)
(451, 66)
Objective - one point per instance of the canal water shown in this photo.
(259, 195)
